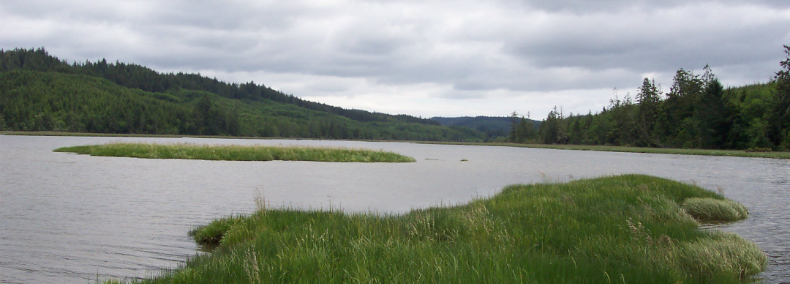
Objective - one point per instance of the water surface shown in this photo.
(67, 218)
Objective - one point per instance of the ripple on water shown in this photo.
(68, 218)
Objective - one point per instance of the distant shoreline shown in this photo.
(624, 149)
(87, 134)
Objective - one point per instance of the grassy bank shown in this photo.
(236, 152)
(702, 152)
(624, 229)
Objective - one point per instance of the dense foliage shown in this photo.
(495, 128)
(40, 92)
(698, 112)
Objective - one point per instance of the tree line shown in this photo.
(139, 77)
(40, 92)
(697, 112)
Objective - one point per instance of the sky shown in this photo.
(420, 57)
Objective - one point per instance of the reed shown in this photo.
(236, 152)
(623, 229)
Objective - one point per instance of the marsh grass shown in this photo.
(236, 152)
(715, 210)
(623, 229)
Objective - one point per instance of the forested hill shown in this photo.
(697, 112)
(493, 126)
(143, 78)
(41, 92)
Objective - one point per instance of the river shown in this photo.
(67, 218)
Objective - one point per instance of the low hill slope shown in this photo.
(493, 126)
(56, 101)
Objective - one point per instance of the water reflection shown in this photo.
(65, 218)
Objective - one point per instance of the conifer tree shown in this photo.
(781, 113)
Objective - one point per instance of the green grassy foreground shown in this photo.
(623, 229)
(701, 152)
(236, 152)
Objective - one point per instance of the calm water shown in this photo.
(67, 218)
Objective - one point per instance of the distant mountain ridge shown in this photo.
(493, 126)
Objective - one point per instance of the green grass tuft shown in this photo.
(214, 232)
(237, 153)
(715, 210)
(623, 229)
(726, 256)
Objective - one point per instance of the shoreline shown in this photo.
(627, 149)
(601, 148)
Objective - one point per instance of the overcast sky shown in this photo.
(420, 57)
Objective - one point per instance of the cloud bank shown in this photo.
(424, 58)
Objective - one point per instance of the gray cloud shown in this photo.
(464, 50)
(646, 42)
(583, 6)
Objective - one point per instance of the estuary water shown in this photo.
(67, 218)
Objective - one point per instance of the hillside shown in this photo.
(492, 126)
(40, 92)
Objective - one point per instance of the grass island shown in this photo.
(237, 152)
(621, 229)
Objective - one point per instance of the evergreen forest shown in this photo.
(496, 128)
(39, 92)
(697, 112)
